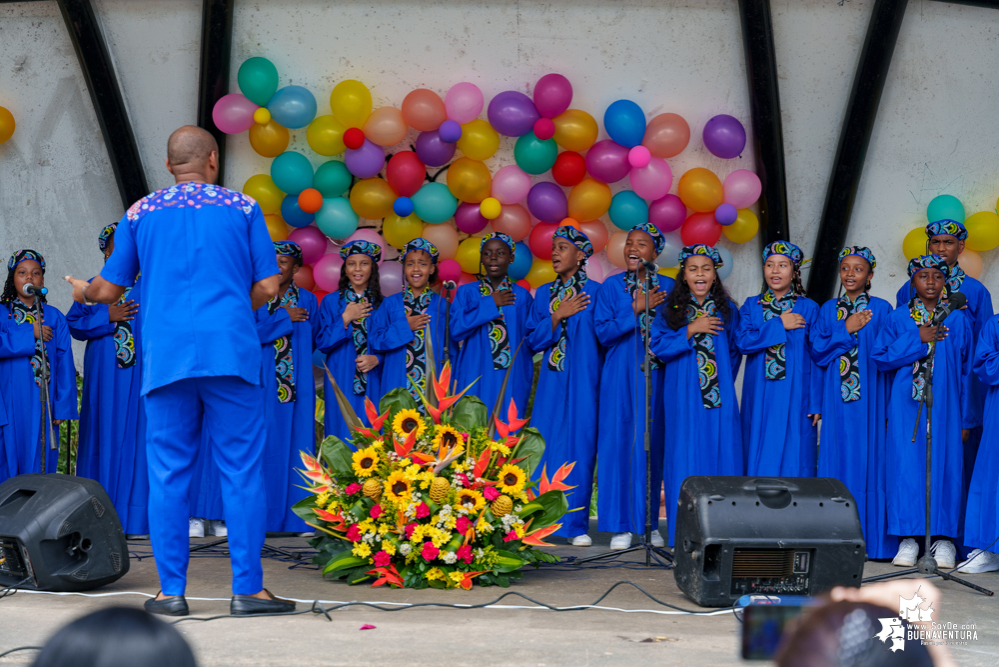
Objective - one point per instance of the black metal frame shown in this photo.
(216, 57)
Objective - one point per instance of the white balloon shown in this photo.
(670, 256)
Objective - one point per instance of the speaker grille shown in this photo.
(81, 574)
(753, 563)
(65, 529)
(116, 561)
(98, 507)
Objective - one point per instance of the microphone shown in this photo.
(31, 290)
(649, 266)
(449, 285)
(955, 301)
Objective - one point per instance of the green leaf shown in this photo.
(469, 413)
(507, 562)
(338, 456)
(555, 506)
(344, 561)
(394, 401)
(532, 446)
(303, 508)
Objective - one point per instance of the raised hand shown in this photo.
(655, 299)
(366, 362)
(297, 314)
(356, 310)
(417, 322)
(43, 332)
(710, 324)
(928, 334)
(571, 306)
(858, 321)
(124, 312)
(793, 321)
(504, 298)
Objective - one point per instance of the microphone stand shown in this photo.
(448, 286)
(45, 423)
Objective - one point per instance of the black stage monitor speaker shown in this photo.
(59, 532)
(740, 536)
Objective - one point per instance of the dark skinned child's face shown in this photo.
(417, 269)
(565, 256)
(638, 246)
(945, 246)
(108, 247)
(358, 268)
(288, 267)
(28, 271)
(929, 284)
(854, 272)
(496, 259)
(699, 274)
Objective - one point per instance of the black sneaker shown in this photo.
(247, 605)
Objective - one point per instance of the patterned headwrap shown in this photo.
(658, 240)
(421, 244)
(949, 227)
(576, 238)
(859, 251)
(289, 248)
(785, 248)
(23, 256)
(106, 233)
(500, 236)
(701, 249)
(928, 262)
(372, 250)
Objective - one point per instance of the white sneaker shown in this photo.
(945, 554)
(907, 553)
(657, 539)
(620, 542)
(217, 528)
(581, 541)
(196, 527)
(979, 561)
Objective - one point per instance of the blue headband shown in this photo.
(576, 238)
(289, 248)
(785, 248)
(106, 233)
(500, 236)
(859, 251)
(702, 250)
(928, 262)
(23, 256)
(420, 244)
(361, 247)
(948, 227)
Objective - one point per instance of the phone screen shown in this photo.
(762, 628)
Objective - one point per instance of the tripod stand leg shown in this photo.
(949, 577)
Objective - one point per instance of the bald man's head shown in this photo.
(190, 152)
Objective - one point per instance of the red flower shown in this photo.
(511, 536)
(382, 558)
(375, 512)
(429, 551)
(462, 524)
(352, 489)
(422, 511)
(490, 493)
(464, 553)
(409, 530)
(354, 533)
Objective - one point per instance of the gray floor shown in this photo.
(429, 636)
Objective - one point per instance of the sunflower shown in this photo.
(447, 439)
(365, 461)
(511, 479)
(398, 487)
(406, 421)
(470, 499)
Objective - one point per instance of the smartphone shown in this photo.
(762, 628)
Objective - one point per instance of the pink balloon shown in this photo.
(513, 220)
(390, 278)
(326, 272)
(312, 241)
(639, 156)
(742, 188)
(463, 102)
(552, 95)
(667, 213)
(370, 235)
(233, 113)
(653, 180)
(595, 270)
(596, 231)
(468, 219)
(304, 278)
(444, 236)
(449, 269)
(511, 185)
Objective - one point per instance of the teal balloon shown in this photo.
(534, 155)
(292, 172)
(434, 203)
(258, 80)
(336, 219)
(628, 209)
(945, 207)
(332, 179)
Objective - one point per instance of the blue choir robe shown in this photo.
(777, 433)
(981, 524)
(471, 313)
(19, 437)
(336, 343)
(112, 419)
(853, 433)
(621, 467)
(566, 403)
(898, 348)
(389, 334)
(697, 440)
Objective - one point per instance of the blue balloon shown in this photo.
(627, 209)
(293, 106)
(434, 203)
(522, 261)
(625, 123)
(318, 359)
(403, 206)
(292, 172)
(726, 270)
(336, 219)
(294, 215)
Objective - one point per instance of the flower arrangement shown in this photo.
(439, 499)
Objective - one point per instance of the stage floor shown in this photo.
(434, 636)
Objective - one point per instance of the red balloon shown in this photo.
(405, 173)
(466, 278)
(526, 285)
(304, 277)
(540, 240)
(701, 228)
(569, 168)
(319, 294)
(353, 138)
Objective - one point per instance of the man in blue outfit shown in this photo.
(207, 263)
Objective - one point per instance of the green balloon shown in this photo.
(434, 203)
(258, 80)
(332, 179)
(945, 207)
(534, 155)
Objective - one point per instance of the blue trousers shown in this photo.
(230, 409)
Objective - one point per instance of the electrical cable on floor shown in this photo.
(20, 648)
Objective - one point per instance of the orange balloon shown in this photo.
(469, 180)
(596, 231)
(310, 200)
(385, 126)
(700, 190)
(424, 110)
(575, 130)
(541, 273)
(444, 236)
(971, 262)
(666, 135)
(615, 249)
(372, 198)
(589, 199)
(269, 140)
(513, 220)
(276, 227)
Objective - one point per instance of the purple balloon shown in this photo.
(667, 213)
(607, 161)
(450, 131)
(468, 219)
(432, 150)
(724, 136)
(311, 241)
(552, 95)
(512, 113)
(366, 161)
(547, 202)
(726, 214)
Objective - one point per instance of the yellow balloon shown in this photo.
(671, 272)
(744, 228)
(490, 208)
(269, 140)
(351, 103)
(400, 231)
(479, 141)
(970, 262)
(6, 125)
(468, 254)
(325, 135)
(589, 199)
(914, 243)
(262, 116)
(469, 180)
(983, 231)
(261, 187)
(541, 272)
(700, 190)
(575, 130)
(372, 198)
(276, 227)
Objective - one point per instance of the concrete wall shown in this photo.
(936, 130)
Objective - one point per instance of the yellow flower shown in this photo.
(447, 439)
(470, 499)
(322, 500)
(398, 487)
(383, 528)
(483, 526)
(440, 538)
(511, 479)
(407, 421)
(499, 447)
(366, 526)
(434, 574)
(362, 550)
(413, 471)
(388, 547)
(457, 577)
(365, 461)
